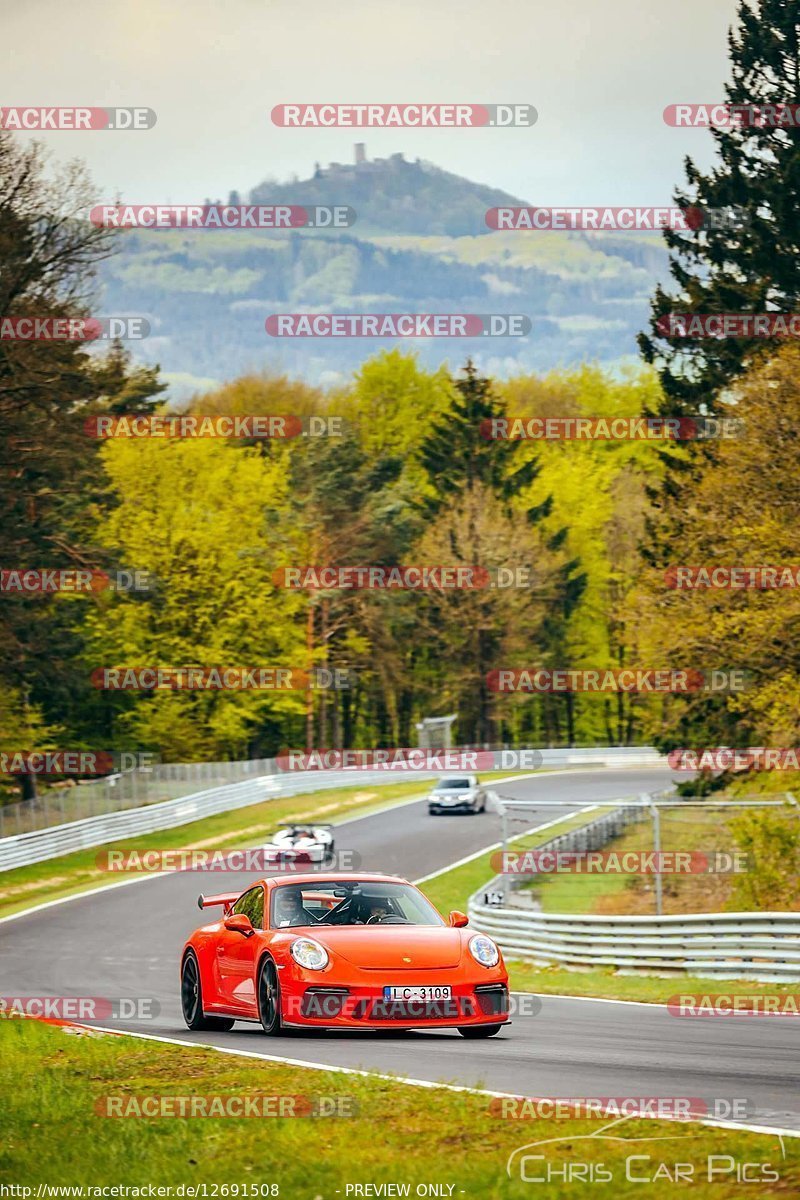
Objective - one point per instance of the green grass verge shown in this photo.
(693, 829)
(682, 829)
(53, 1133)
(610, 985)
(453, 887)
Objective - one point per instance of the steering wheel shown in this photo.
(389, 920)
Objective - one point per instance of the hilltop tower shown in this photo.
(361, 153)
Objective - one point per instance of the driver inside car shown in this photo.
(370, 912)
(289, 910)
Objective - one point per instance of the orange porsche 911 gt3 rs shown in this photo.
(340, 951)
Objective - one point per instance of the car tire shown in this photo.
(479, 1031)
(192, 999)
(268, 993)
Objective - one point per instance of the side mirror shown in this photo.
(239, 923)
(457, 920)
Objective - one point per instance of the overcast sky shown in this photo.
(600, 73)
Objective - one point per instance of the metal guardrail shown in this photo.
(127, 789)
(761, 946)
(758, 946)
(27, 848)
(39, 844)
(166, 781)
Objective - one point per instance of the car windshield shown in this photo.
(445, 785)
(350, 902)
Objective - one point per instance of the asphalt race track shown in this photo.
(127, 942)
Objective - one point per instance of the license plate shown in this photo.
(428, 992)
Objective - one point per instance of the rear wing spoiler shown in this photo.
(305, 825)
(228, 899)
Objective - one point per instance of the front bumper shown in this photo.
(439, 804)
(363, 1007)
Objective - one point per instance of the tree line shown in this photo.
(593, 527)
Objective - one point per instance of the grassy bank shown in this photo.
(688, 829)
(56, 1088)
(452, 888)
(709, 882)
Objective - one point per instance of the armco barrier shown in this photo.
(763, 946)
(759, 946)
(95, 831)
(41, 844)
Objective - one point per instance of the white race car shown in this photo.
(300, 843)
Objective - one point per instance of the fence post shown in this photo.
(504, 874)
(656, 846)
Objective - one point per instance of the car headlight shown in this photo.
(484, 951)
(309, 954)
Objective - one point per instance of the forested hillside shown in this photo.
(419, 244)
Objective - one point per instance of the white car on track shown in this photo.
(297, 842)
